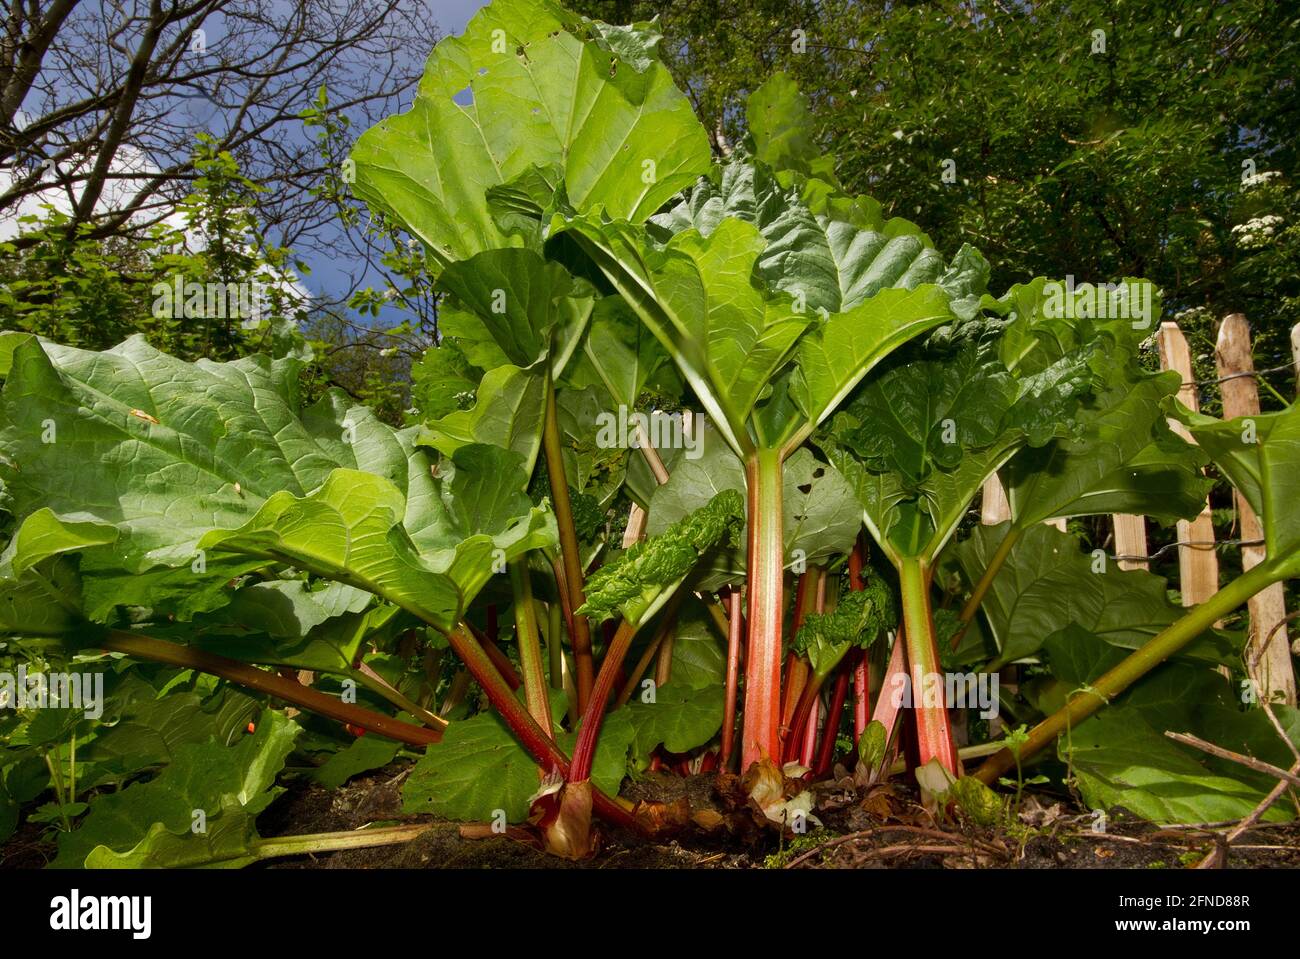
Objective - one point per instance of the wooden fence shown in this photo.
(1268, 651)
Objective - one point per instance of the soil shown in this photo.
(883, 828)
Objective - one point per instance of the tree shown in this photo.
(103, 101)
(1087, 137)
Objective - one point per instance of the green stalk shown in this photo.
(55, 774)
(334, 841)
(571, 592)
(982, 587)
(530, 648)
(1165, 644)
(761, 729)
(934, 735)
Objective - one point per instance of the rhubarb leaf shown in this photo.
(350, 530)
(228, 785)
(1125, 459)
(918, 439)
(1260, 455)
(698, 296)
(857, 620)
(528, 307)
(1047, 583)
(524, 87)
(443, 380)
(361, 755)
(679, 719)
(479, 768)
(509, 406)
(1119, 759)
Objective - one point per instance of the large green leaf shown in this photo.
(350, 530)
(229, 784)
(530, 308)
(679, 719)
(1261, 457)
(221, 459)
(529, 85)
(508, 411)
(918, 439)
(699, 297)
(1124, 460)
(479, 768)
(1119, 759)
(619, 353)
(1047, 583)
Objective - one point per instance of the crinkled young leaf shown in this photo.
(525, 87)
(857, 620)
(632, 583)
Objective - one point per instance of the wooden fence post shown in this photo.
(1130, 540)
(1198, 566)
(994, 506)
(1272, 669)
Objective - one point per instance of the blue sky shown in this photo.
(330, 278)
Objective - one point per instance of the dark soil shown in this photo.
(883, 828)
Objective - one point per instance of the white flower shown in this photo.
(1259, 179)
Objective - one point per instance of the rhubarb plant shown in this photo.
(684, 414)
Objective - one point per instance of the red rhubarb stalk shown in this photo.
(735, 632)
(861, 662)
(761, 730)
(826, 754)
(809, 749)
(530, 735)
(933, 732)
(584, 750)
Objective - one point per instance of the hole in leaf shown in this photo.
(806, 488)
(464, 98)
(819, 472)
